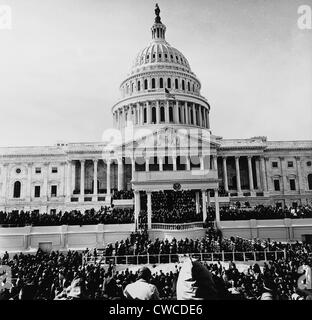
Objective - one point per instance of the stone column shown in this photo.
(157, 112)
(204, 205)
(188, 163)
(95, 176)
(29, 175)
(208, 198)
(225, 176)
(141, 114)
(120, 175)
(74, 175)
(186, 113)
(147, 164)
(258, 173)
(174, 163)
(207, 117)
(149, 210)
(215, 162)
(137, 208)
(194, 114)
(167, 112)
(177, 120)
(250, 175)
(108, 176)
(132, 168)
(69, 181)
(160, 160)
(263, 175)
(202, 164)
(148, 113)
(197, 201)
(182, 112)
(284, 176)
(238, 181)
(217, 209)
(82, 178)
(300, 184)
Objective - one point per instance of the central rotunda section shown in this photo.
(161, 89)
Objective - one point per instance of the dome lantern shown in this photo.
(158, 29)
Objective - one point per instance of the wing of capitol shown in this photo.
(162, 141)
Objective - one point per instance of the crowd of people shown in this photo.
(261, 212)
(174, 207)
(123, 194)
(63, 276)
(105, 215)
(140, 244)
(167, 207)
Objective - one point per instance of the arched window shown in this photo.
(145, 84)
(188, 86)
(170, 114)
(162, 114)
(132, 87)
(193, 87)
(183, 85)
(161, 83)
(17, 190)
(310, 181)
(153, 83)
(145, 115)
(176, 83)
(139, 85)
(169, 83)
(153, 115)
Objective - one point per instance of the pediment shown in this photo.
(168, 138)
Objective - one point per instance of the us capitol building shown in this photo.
(162, 140)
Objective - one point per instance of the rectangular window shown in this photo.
(38, 170)
(37, 191)
(54, 169)
(277, 185)
(274, 164)
(292, 183)
(53, 191)
(290, 164)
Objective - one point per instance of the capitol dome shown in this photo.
(161, 89)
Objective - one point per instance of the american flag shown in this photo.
(169, 95)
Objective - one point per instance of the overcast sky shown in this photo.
(63, 60)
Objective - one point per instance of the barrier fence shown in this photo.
(224, 256)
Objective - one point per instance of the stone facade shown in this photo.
(160, 98)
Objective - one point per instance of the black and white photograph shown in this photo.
(155, 150)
